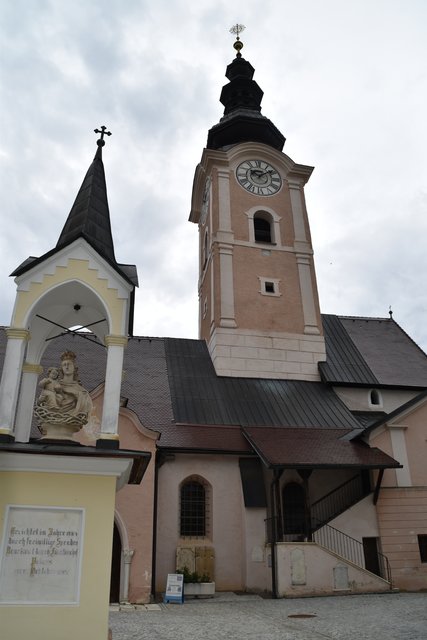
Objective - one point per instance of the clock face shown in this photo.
(258, 177)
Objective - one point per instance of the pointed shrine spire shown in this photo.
(90, 215)
(242, 120)
(89, 219)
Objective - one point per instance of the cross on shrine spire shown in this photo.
(103, 131)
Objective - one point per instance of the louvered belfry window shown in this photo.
(193, 509)
(262, 229)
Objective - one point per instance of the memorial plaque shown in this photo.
(341, 578)
(41, 555)
(298, 569)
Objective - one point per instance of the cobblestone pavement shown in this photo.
(398, 616)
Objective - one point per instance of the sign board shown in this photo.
(174, 588)
(40, 555)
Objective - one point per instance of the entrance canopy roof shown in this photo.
(314, 449)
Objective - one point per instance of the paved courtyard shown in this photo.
(398, 616)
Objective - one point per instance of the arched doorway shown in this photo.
(115, 566)
(293, 501)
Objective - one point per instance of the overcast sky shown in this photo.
(345, 81)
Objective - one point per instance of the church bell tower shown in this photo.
(258, 301)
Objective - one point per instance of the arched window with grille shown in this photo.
(193, 507)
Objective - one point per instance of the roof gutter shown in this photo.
(237, 452)
(291, 465)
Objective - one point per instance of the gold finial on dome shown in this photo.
(238, 45)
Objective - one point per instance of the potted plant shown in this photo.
(197, 585)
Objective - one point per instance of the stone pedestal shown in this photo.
(60, 431)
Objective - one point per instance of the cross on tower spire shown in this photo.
(238, 45)
(103, 131)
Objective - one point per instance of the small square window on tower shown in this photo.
(269, 286)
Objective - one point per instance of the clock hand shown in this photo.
(259, 176)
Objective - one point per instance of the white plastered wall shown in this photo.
(357, 399)
(236, 534)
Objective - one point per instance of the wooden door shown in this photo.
(370, 550)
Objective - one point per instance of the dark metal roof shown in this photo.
(371, 352)
(172, 386)
(171, 382)
(313, 448)
(199, 396)
(366, 418)
(344, 362)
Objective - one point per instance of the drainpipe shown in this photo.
(378, 485)
(279, 515)
(274, 487)
(273, 540)
(157, 464)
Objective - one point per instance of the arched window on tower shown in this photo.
(263, 227)
(193, 508)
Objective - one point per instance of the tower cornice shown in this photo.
(296, 174)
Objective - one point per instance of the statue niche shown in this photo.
(63, 406)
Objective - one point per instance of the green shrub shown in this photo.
(193, 576)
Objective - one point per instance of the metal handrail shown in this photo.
(338, 542)
(323, 510)
(337, 501)
(350, 549)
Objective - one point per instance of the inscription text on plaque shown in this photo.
(40, 559)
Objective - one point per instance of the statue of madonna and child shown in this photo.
(63, 406)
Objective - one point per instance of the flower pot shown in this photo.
(199, 589)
